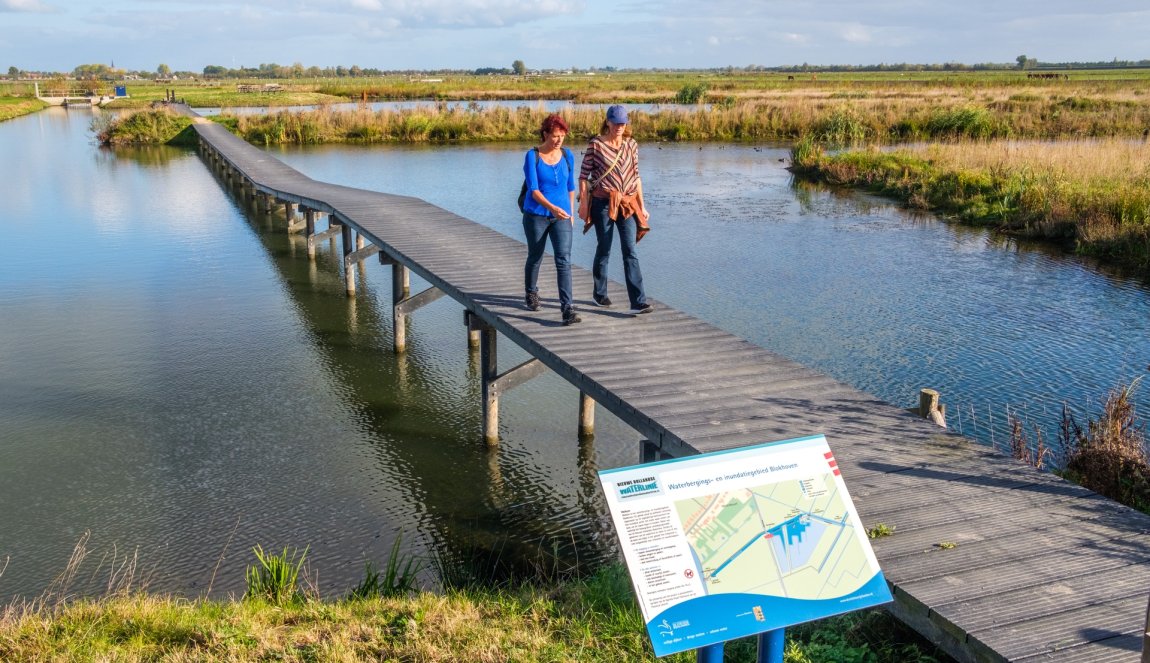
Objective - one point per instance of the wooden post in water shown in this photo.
(930, 408)
(586, 415)
(488, 368)
(399, 290)
(309, 228)
(348, 248)
(289, 213)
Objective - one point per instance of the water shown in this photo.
(177, 379)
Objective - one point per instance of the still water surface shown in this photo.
(179, 380)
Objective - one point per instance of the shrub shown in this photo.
(1110, 457)
(691, 93)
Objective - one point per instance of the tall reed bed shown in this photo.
(1092, 194)
(840, 116)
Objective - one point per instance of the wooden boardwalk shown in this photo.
(1041, 569)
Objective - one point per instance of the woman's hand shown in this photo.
(559, 213)
(644, 214)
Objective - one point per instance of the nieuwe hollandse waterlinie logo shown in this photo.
(637, 487)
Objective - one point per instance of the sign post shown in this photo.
(741, 542)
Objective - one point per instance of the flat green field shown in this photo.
(633, 87)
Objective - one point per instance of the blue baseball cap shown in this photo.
(617, 115)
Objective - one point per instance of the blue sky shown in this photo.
(57, 35)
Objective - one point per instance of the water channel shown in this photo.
(177, 379)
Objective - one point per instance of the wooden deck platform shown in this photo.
(1040, 569)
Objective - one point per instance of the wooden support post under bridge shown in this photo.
(495, 383)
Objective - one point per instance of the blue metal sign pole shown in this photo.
(771, 646)
(770, 649)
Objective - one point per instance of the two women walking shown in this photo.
(610, 200)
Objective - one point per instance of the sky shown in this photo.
(58, 35)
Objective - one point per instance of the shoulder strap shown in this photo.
(607, 172)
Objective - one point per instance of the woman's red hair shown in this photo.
(551, 123)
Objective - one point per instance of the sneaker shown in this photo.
(570, 317)
(532, 301)
(603, 301)
(645, 308)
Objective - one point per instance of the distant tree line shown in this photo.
(297, 70)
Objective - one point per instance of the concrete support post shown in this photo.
(399, 292)
(309, 228)
(289, 213)
(489, 366)
(348, 248)
(586, 415)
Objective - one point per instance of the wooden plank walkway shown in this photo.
(1041, 569)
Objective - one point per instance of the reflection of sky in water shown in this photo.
(172, 369)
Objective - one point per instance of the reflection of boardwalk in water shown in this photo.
(478, 508)
(688, 387)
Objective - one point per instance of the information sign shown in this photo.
(739, 542)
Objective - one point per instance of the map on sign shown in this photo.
(724, 545)
(775, 539)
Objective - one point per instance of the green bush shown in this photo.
(691, 93)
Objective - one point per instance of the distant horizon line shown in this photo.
(884, 66)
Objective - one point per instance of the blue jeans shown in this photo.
(605, 233)
(538, 229)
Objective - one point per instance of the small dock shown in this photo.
(989, 558)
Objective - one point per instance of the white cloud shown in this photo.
(32, 6)
(460, 13)
(856, 34)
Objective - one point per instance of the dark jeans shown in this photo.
(605, 233)
(537, 229)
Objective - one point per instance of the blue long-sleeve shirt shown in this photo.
(556, 182)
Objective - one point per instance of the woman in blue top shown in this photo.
(548, 212)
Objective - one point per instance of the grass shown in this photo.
(150, 127)
(1091, 195)
(594, 619)
(11, 107)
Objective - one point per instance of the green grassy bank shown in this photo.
(585, 620)
(11, 107)
(1092, 196)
